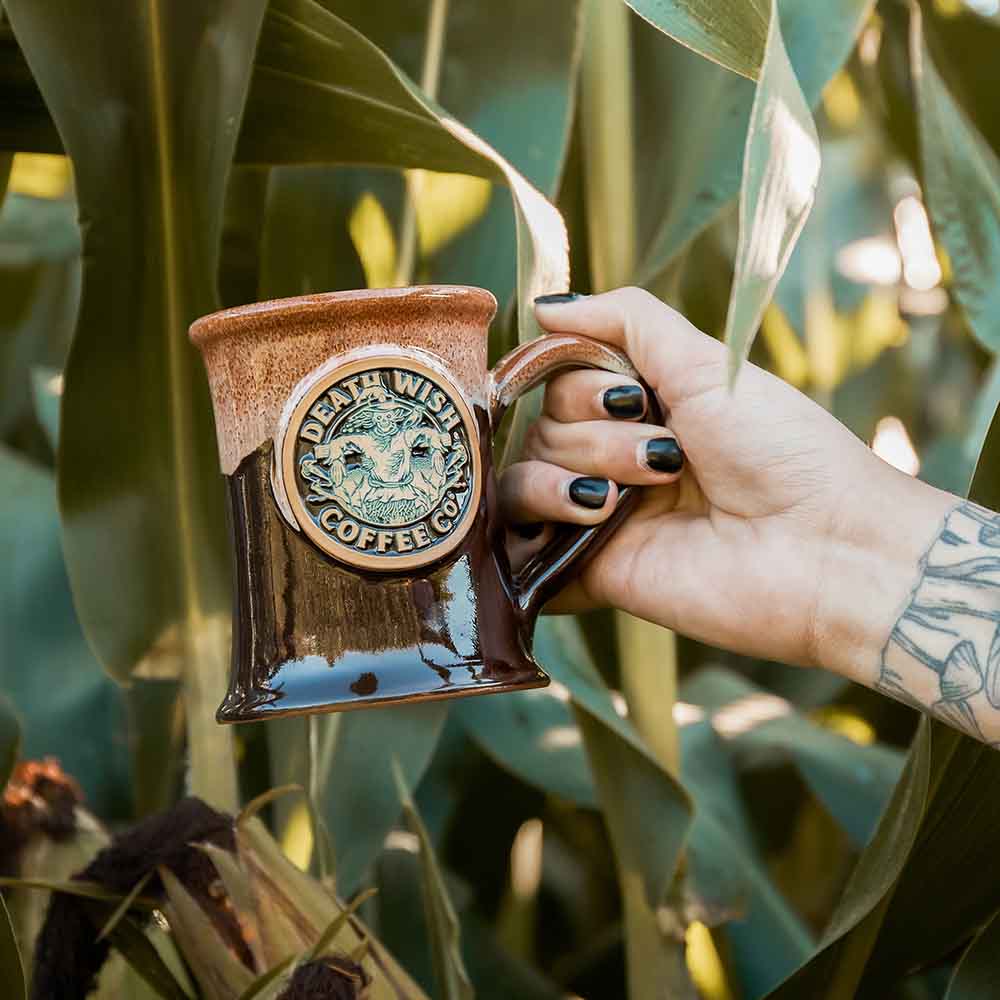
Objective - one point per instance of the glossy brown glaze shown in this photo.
(313, 632)
(310, 635)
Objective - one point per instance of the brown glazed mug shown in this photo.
(355, 434)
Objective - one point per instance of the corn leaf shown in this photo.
(11, 966)
(124, 906)
(977, 973)
(508, 72)
(729, 882)
(143, 958)
(838, 966)
(730, 33)
(72, 710)
(962, 181)
(382, 119)
(144, 534)
(237, 885)
(532, 734)
(219, 973)
(452, 979)
(329, 935)
(647, 812)
(693, 117)
(780, 173)
(306, 246)
(853, 782)
(357, 792)
(259, 987)
(292, 909)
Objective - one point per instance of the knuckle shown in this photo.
(545, 435)
(634, 298)
(560, 397)
(532, 439)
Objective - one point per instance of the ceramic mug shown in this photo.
(355, 434)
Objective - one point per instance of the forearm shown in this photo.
(911, 606)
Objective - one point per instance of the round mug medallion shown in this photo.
(380, 462)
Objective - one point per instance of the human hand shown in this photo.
(750, 546)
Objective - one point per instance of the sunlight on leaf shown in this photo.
(374, 240)
(780, 173)
(446, 205)
(41, 175)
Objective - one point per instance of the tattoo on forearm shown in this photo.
(951, 626)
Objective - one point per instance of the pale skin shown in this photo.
(783, 536)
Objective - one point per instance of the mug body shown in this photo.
(355, 438)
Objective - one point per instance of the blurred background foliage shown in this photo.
(665, 820)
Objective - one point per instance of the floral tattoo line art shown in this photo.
(951, 624)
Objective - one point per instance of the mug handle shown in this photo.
(519, 371)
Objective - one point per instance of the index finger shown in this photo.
(673, 355)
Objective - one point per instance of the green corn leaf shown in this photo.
(692, 122)
(242, 231)
(508, 72)
(838, 966)
(259, 986)
(728, 880)
(124, 906)
(452, 979)
(977, 973)
(534, 735)
(853, 782)
(144, 533)
(647, 811)
(71, 709)
(357, 795)
(73, 887)
(962, 180)
(780, 173)
(306, 246)
(730, 33)
(11, 966)
(142, 956)
(298, 90)
(337, 925)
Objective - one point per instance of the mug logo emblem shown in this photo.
(380, 464)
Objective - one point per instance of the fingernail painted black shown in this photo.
(625, 401)
(557, 298)
(528, 531)
(589, 491)
(664, 455)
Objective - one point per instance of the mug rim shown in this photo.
(479, 302)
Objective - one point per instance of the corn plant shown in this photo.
(816, 184)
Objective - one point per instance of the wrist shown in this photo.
(872, 564)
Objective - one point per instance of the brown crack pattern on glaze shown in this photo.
(256, 355)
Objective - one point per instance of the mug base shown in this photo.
(299, 688)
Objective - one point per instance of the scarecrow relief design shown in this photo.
(383, 466)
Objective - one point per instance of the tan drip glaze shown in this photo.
(256, 355)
